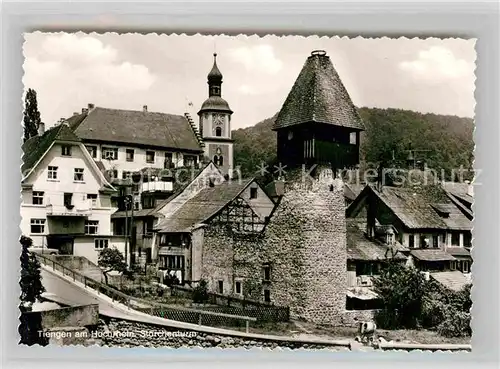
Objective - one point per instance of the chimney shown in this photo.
(85, 110)
(41, 128)
(90, 106)
(145, 108)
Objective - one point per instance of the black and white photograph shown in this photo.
(242, 191)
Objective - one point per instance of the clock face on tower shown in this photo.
(218, 119)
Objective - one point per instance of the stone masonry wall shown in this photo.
(306, 239)
(305, 244)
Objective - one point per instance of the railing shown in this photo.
(82, 208)
(166, 186)
(150, 307)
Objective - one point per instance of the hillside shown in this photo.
(389, 133)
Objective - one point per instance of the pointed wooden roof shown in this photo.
(318, 95)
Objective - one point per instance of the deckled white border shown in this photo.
(296, 18)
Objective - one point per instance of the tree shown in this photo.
(31, 279)
(200, 292)
(31, 115)
(402, 291)
(111, 259)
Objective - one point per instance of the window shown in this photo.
(411, 241)
(174, 262)
(267, 296)
(136, 205)
(220, 287)
(130, 154)
(37, 197)
(135, 188)
(92, 151)
(189, 160)
(37, 226)
(78, 177)
(218, 131)
(68, 200)
(101, 243)
(267, 272)
(168, 160)
(465, 266)
(66, 150)
(93, 198)
(126, 174)
(150, 156)
(435, 241)
(52, 173)
(237, 287)
(352, 138)
(253, 193)
(467, 239)
(110, 153)
(455, 238)
(218, 160)
(91, 226)
(148, 202)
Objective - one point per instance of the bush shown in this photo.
(402, 292)
(455, 324)
(200, 292)
(411, 302)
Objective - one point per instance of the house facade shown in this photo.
(180, 242)
(426, 221)
(66, 200)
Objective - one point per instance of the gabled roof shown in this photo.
(360, 247)
(454, 280)
(136, 127)
(203, 206)
(416, 208)
(318, 95)
(36, 147)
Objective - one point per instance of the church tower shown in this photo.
(215, 123)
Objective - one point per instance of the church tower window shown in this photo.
(218, 131)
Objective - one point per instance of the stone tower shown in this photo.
(215, 123)
(318, 134)
(306, 244)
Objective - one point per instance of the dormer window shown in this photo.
(443, 210)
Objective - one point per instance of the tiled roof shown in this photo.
(414, 207)
(458, 251)
(318, 95)
(359, 247)
(35, 147)
(454, 280)
(431, 255)
(202, 206)
(136, 127)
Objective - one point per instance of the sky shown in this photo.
(166, 72)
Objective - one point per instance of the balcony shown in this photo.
(79, 209)
(157, 186)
